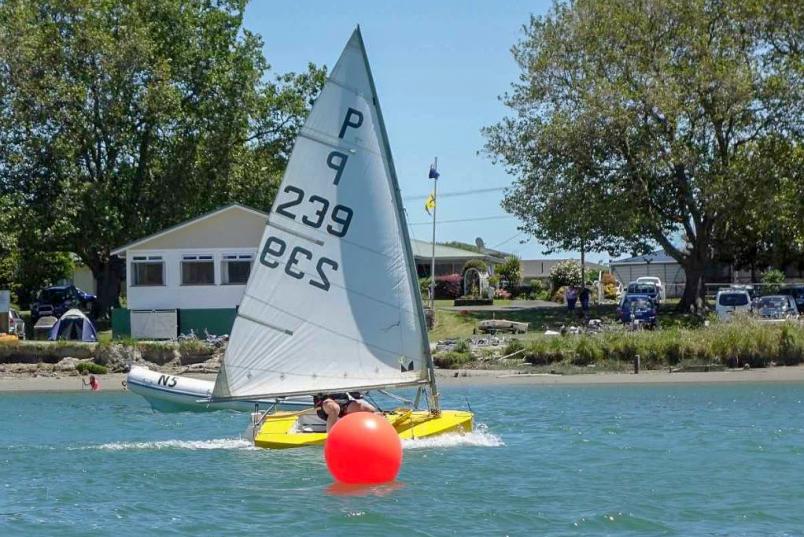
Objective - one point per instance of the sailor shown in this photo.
(332, 406)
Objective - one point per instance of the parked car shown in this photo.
(797, 292)
(730, 301)
(16, 325)
(635, 307)
(776, 307)
(655, 280)
(55, 301)
(644, 288)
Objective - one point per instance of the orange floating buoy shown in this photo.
(363, 448)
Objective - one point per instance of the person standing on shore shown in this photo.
(584, 297)
(572, 297)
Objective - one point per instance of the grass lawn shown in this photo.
(457, 324)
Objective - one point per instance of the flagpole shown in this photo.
(432, 259)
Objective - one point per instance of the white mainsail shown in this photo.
(332, 303)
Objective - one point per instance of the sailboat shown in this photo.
(333, 303)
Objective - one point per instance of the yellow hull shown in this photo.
(279, 431)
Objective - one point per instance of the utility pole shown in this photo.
(434, 176)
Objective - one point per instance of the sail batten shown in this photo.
(334, 268)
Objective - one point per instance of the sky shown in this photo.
(439, 68)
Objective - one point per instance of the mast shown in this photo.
(403, 225)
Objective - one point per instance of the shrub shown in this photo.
(475, 264)
(451, 359)
(462, 346)
(510, 271)
(513, 346)
(558, 296)
(501, 293)
(537, 285)
(608, 278)
(566, 273)
(610, 291)
(448, 287)
(424, 286)
(494, 280)
(90, 367)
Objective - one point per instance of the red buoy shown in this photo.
(363, 448)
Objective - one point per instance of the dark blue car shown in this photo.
(639, 307)
(56, 300)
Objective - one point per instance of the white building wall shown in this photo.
(175, 295)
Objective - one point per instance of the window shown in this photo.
(236, 268)
(147, 270)
(733, 299)
(197, 270)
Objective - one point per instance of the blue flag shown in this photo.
(433, 173)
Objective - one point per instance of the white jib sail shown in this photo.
(332, 302)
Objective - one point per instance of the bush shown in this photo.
(558, 296)
(448, 287)
(510, 271)
(90, 367)
(608, 279)
(475, 264)
(494, 280)
(424, 287)
(502, 293)
(610, 291)
(451, 359)
(462, 346)
(566, 273)
(513, 346)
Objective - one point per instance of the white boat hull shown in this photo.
(173, 393)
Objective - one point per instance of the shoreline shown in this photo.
(463, 377)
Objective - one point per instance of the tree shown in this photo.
(510, 270)
(119, 119)
(566, 273)
(656, 115)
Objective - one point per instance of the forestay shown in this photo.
(332, 303)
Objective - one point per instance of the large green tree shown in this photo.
(656, 121)
(120, 118)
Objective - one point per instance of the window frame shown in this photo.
(197, 259)
(235, 257)
(147, 259)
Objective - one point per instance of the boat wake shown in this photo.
(218, 443)
(477, 438)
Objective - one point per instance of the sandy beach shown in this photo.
(461, 377)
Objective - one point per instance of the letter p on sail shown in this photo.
(354, 118)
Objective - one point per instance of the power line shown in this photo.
(479, 219)
(458, 193)
(507, 240)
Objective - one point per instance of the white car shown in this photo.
(16, 325)
(731, 301)
(655, 281)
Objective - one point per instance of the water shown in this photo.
(616, 460)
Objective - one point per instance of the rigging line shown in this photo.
(456, 193)
(478, 219)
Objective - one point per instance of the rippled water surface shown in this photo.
(614, 460)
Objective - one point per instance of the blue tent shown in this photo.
(73, 326)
